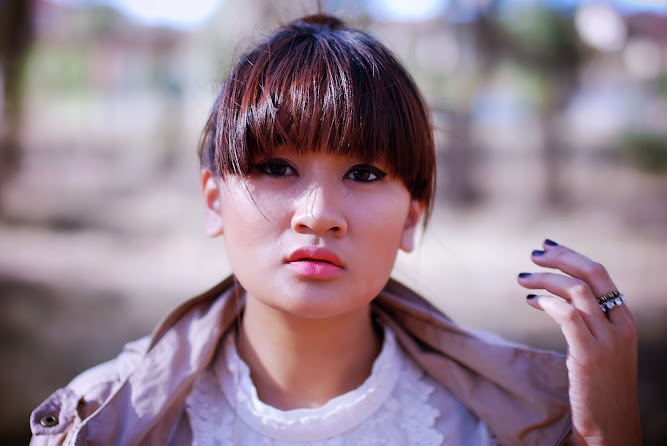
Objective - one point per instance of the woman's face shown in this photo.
(313, 235)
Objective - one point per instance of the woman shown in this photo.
(317, 166)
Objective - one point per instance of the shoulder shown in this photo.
(520, 392)
(113, 370)
(151, 376)
(61, 412)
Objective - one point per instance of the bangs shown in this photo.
(323, 97)
(312, 88)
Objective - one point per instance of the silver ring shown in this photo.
(611, 300)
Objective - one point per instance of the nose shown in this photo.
(319, 210)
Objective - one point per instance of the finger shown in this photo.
(622, 318)
(576, 265)
(573, 290)
(568, 317)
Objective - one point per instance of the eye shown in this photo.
(365, 173)
(276, 168)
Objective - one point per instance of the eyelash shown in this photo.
(365, 168)
(285, 169)
(266, 168)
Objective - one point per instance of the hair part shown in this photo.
(317, 85)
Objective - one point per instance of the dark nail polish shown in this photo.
(524, 275)
(550, 243)
(538, 252)
(531, 296)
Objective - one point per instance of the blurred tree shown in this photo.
(16, 34)
(646, 151)
(457, 162)
(544, 43)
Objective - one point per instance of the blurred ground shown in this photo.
(90, 259)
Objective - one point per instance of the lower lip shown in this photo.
(315, 270)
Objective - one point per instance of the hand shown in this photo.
(602, 348)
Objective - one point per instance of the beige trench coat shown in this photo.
(137, 398)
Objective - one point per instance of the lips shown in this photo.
(323, 255)
(315, 263)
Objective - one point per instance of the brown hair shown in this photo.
(317, 84)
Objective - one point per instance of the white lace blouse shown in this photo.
(397, 405)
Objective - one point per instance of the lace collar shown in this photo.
(338, 415)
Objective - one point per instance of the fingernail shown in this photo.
(538, 252)
(531, 296)
(524, 275)
(549, 242)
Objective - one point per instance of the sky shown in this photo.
(189, 14)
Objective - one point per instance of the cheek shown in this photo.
(268, 205)
(380, 228)
(388, 229)
(386, 217)
(246, 227)
(247, 209)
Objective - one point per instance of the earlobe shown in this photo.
(414, 217)
(213, 216)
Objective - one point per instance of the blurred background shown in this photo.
(551, 121)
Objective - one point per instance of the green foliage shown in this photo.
(545, 37)
(646, 151)
(662, 84)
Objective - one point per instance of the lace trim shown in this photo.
(391, 408)
(331, 419)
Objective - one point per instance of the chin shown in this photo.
(317, 300)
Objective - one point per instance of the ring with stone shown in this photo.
(611, 300)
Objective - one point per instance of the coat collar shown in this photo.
(519, 392)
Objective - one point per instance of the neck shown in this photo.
(299, 362)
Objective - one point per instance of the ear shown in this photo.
(415, 213)
(213, 217)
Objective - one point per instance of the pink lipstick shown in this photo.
(315, 263)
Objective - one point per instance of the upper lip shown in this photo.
(315, 254)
